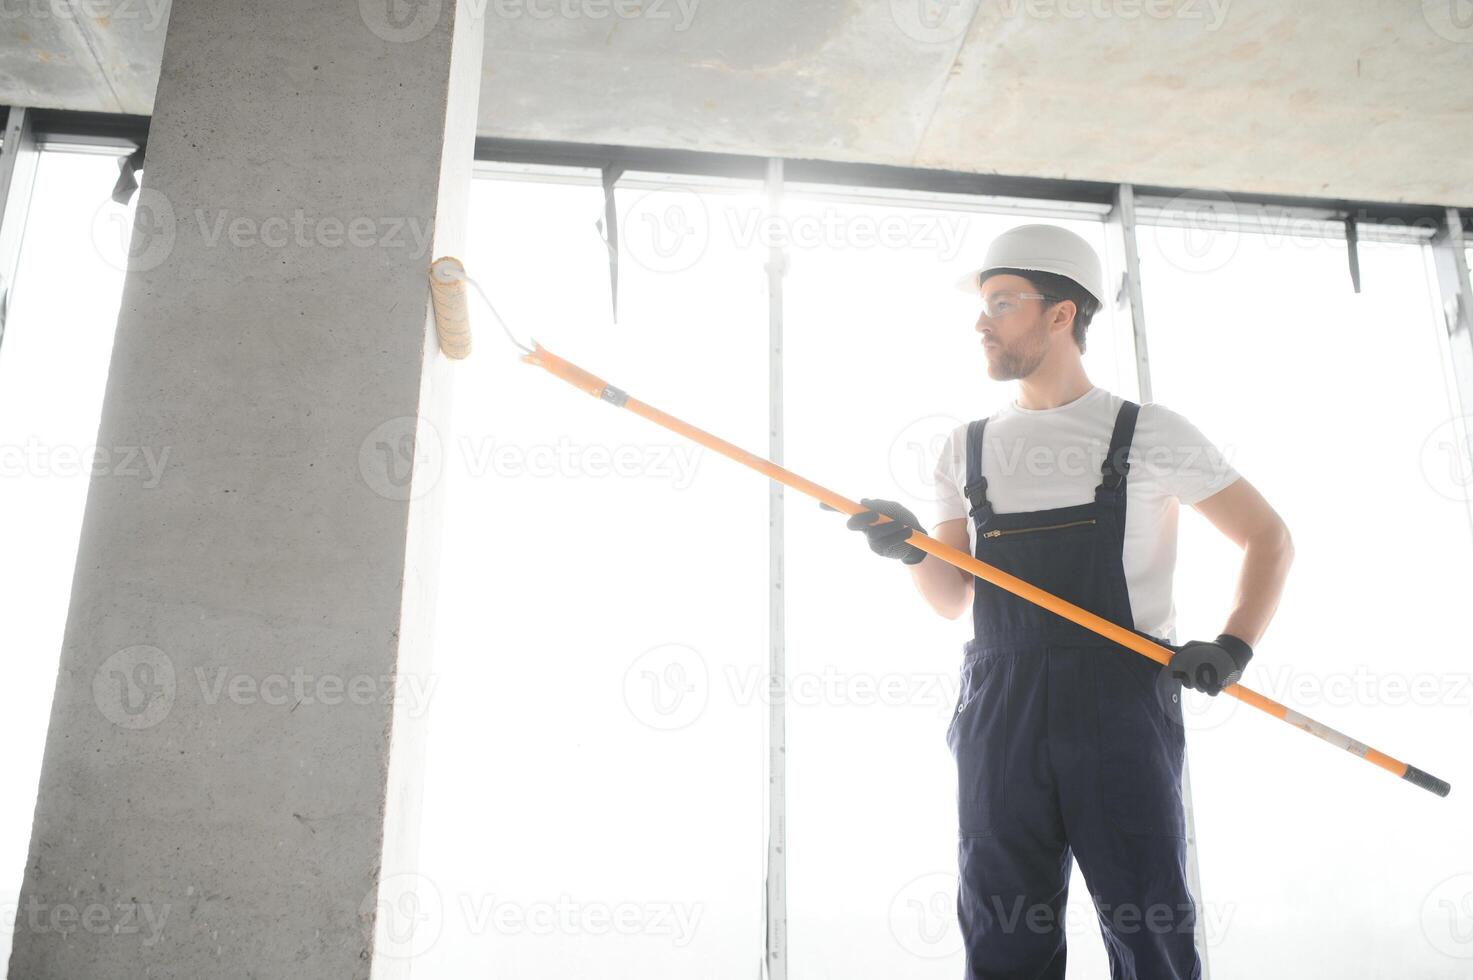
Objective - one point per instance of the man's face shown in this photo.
(1016, 340)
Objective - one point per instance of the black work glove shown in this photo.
(888, 538)
(1210, 667)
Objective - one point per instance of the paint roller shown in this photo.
(452, 312)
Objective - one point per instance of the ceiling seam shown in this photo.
(961, 45)
(78, 20)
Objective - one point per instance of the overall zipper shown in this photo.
(1047, 527)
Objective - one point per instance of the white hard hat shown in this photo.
(1042, 248)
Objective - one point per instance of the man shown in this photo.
(1067, 742)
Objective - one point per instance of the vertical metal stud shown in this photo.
(18, 158)
(776, 961)
(1124, 261)
(1449, 247)
(1455, 293)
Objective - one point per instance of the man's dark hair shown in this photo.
(1059, 288)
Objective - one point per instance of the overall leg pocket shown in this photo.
(1142, 745)
(978, 740)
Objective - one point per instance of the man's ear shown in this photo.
(1063, 316)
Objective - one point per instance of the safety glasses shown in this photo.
(1005, 301)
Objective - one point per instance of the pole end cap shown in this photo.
(1427, 781)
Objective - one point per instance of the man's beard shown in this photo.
(1022, 357)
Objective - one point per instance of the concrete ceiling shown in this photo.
(1370, 100)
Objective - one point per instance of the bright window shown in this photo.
(1334, 406)
(594, 794)
(53, 370)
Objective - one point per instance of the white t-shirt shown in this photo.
(1039, 459)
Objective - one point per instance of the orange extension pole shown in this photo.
(598, 388)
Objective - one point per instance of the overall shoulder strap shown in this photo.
(976, 488)
(1117, 462)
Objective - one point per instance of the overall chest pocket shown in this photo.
(1062, 557)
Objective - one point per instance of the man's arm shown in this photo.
(1240, 512)
(945, 587)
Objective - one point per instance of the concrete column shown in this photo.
(230, 781)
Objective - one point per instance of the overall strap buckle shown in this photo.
(1117, 462)
(977, 497)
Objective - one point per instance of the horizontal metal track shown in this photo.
(1280, 214)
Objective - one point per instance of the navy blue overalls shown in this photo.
(1062, 745)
